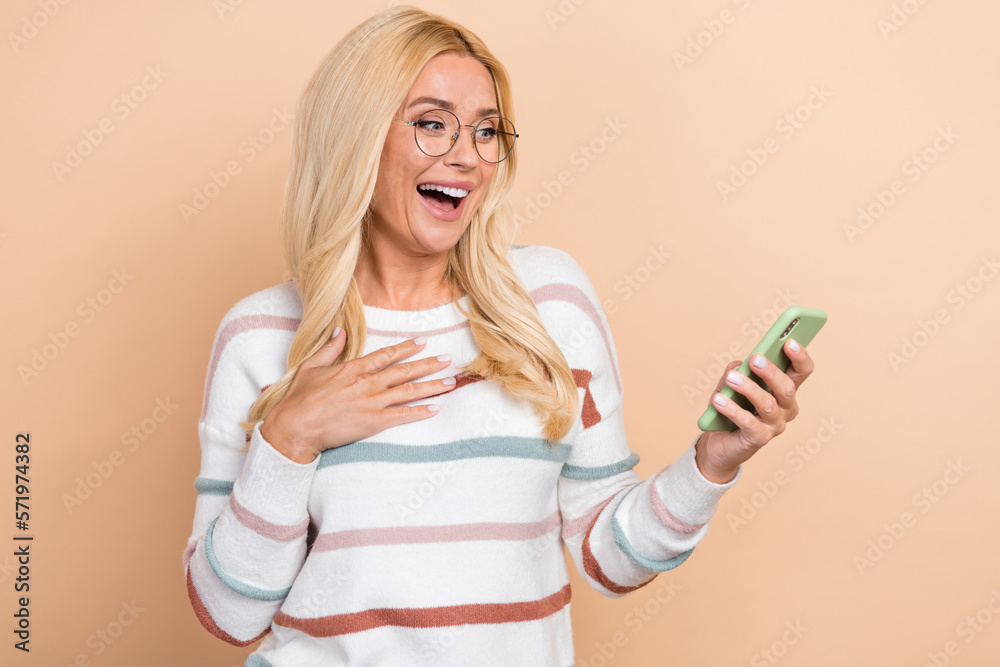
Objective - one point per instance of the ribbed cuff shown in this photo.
(273, 486)
(687, 493)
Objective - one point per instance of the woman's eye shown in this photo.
(486, 134)
(430, 125)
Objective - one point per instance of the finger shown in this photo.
(328, 353)
(782, 387)
(765, 405)
(802, 364)
(386, 356)
(722, 380)
(411, 391)
(752, 430)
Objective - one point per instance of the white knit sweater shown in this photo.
(438, 542)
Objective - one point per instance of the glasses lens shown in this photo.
(494, 138)
(435, 130)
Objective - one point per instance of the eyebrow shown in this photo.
(448, 106)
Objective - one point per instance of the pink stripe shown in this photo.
(664, 515)
(272, 531)
(189, 552)
(388, 333)
(581, 523)
(235, 328)
(457, 532)
(574, 295)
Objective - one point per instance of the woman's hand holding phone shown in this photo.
(720, 453)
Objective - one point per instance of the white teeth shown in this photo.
(451, 192)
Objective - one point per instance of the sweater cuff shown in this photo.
(273, 486)
(687, 493)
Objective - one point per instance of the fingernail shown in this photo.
(720, 400)
(793, 345)
(734, 377)
(759, 362)
(444, 357)
(448, 380)
(336, 332)
(432, 407)
(419, 340)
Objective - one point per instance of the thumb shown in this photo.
(327, 354)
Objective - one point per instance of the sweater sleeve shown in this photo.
(621, 530)
(251, 519)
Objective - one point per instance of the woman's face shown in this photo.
(421, 221)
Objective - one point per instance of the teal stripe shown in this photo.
(498, 446)
(213, 487)
(246, 590)
(622, 541)
(570, 471)
(256, 661)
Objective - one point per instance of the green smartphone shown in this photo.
(799, 323)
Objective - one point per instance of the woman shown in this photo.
(363, 524)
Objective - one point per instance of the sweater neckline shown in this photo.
(407, 323)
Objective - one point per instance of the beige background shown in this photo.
(663, 133)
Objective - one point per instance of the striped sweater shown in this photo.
(441, 541)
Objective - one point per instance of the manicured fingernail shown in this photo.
(720, 400)
(759, 362)
(448, 380)
(419, 340)
(444, 357)
(432, 407)
(336, 332)
(734, 377)
(793, 345)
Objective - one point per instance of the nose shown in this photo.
(464, 154)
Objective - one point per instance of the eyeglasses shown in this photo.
(436, 131)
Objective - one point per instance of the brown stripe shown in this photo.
(589, 413)
(593, 568)
(428, 617)
(208, 622)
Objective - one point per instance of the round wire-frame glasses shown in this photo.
(436, 132)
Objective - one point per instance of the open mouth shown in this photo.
(441, 197)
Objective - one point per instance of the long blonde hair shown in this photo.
(341, 124)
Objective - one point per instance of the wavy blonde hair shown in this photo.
(342, 120)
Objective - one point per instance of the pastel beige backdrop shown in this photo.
(740, 138)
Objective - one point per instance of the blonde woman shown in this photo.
(398, 442)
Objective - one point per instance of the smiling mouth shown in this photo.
(441, 197)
